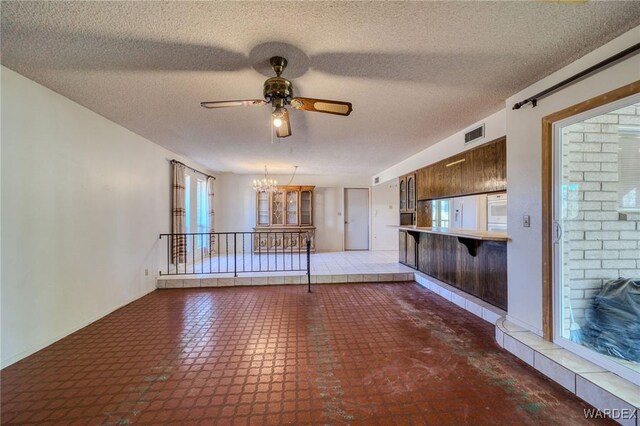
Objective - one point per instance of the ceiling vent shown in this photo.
(474, 134)
(376, 180)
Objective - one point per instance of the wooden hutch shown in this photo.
(279, 213)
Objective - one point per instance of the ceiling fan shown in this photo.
(278, 92)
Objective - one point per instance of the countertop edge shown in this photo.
(484, 236)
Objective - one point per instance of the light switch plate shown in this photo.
(526, 221)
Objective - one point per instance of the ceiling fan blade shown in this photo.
(285, 128)
(225, 104)
(322, 105)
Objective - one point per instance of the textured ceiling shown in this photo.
(415, 72)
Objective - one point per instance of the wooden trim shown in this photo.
(547, 191)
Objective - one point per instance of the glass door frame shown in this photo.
(557, 240)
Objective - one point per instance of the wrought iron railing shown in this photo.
(237, 252)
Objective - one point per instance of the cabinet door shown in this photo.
(411, 193)
(263, 208)
(437, 180)
(277, 208)
(422, 181)
(402, 248)
(490, 167)
(292, 207)
(403, 194)
(453, 175)
(501, 165)
(411, 251)
(468, 179)
(306, 212)
(424, 213)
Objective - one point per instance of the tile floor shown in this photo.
(345, 354)
(325, 263)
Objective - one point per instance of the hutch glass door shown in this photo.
(292, 207)
(305, 208)
(277, 208)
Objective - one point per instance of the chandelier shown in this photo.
(265, 184)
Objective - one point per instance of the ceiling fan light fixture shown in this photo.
(278, 115)
(278, 92)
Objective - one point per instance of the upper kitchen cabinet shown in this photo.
(411, 192)
(477, 171)
(403, 194)
(408, 199)
(423, 178)
(408, 193)
(490, 166)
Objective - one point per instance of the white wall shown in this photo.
(494, 128)
(524, 135)
(235, 204)
(83, 202)
(385, 214)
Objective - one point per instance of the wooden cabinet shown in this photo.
(407, 193)
(402, 247)
(483, 274)
(412, 253)
(407, 184)
(479, 170)
(408, 249)
(281, 217)
(490, 167)
(411, 192)
(423, 180)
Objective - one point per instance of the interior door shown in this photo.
(356, 219)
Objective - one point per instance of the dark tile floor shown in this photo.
(346, 354)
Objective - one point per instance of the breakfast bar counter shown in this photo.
(472, 261)
(463, 233)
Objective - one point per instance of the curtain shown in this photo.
(179, 242)
(212, 215)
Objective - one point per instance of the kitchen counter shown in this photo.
(472, 261)
(462, 233)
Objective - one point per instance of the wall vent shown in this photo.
(474, 134)
(376, 180)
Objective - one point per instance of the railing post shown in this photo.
(309, 262)
(235, 259)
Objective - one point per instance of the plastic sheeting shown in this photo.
(612, 324)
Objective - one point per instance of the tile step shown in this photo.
(274, 279)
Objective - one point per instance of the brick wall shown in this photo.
(600, 242)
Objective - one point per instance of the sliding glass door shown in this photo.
(596, 232)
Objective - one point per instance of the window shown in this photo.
(440, 213)
(187, 202)
(196, 202)
(202, 218)
(628, 161)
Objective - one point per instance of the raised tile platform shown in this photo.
(280, 279)
(330, 267)
(604, 390)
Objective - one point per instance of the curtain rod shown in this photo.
(533, 100)
(191, 168)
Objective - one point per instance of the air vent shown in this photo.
(474, 134)
(376, 180)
